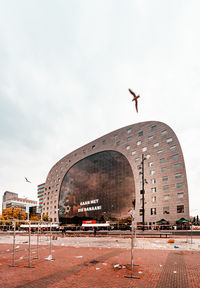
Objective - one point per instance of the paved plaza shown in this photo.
(100, 262)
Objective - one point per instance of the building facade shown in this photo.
(11, 199)
(40, 194)
(102, 179)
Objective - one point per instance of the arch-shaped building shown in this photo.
(102, 178)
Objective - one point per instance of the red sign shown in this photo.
(89, 222)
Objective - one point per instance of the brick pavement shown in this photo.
(94, 267)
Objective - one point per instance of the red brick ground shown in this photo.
(157, 268)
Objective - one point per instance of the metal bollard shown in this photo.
(29, 250)
(13, 254)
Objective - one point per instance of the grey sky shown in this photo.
(65, 70)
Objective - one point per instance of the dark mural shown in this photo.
(98, 187)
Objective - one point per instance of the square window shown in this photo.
(137, 159)
(104, 142)
(179, 175)
(159, 152)
(165, 178)
(153, 128)
(180, 209)
(163, 169)
(177, 166)
(153, 211)
(166, 187)
(93, 147)
(150, 164)
(179, 185)
(140, 133)
(118, 143)
(133, 152)
(129, 139)
(138, 143)
(166, 197)
(173, 148)
(166, 210)
(164, 132)
(150, 138)
(148, 156)
(152, 172)
(162, 160)
(128, 147)
(153, 190)
(144, 149)
(129, 130)
(115, 137)
(175, 157)
(169, 140)
(153, 181)
(156, 144)
(153, 199)
(180, 195)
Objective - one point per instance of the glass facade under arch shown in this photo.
(100, 186)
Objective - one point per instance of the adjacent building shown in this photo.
(40, 194)
(102, 179)
(11, 199)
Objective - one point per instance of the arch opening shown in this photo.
(99, 187)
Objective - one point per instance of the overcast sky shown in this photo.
(65, 70)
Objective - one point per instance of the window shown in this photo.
(152, 172)
(153, 211)
(128, 147)
(138, 143)
(163, 169)
(118, 143)
(139, 167)
(179, 185)
(165, 178)
(156, 144)
(164, 132)
(166, 187)
(133, 152)
(93, 147)
(150, 164)
(175, 157)
(173, 148)
(153, 128)
(166, 210)
(129, 139)
(153, 199)
(179, 175)
(180, 195)
(104, 142)
(137, 159)
(144, 149)
(177, 166)
(166, 197)
(115, 137)
(159, 152)
(162, 160)
(153, 181)
(169, 140)
(148, 156)
(153, 190)
(150, 138)
(180, 209)
(140, 133)
(129, 130)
